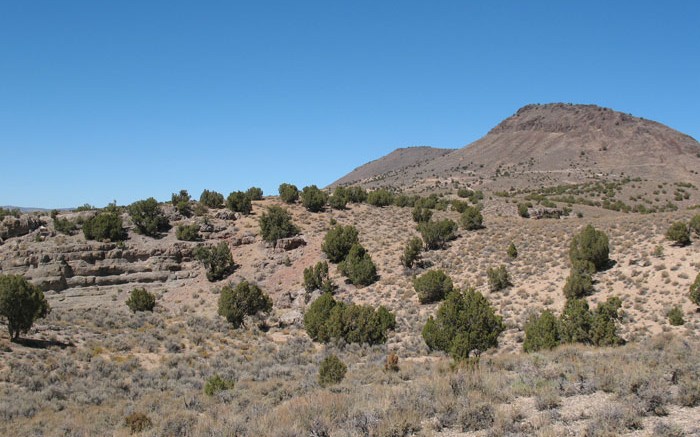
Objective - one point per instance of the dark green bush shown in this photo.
(239, 201)
(421, 215)
(498, 278)
(472, 219)
(212, 199)
(187, 232)
(255, 193)
(464, 193)
(675, 316)
(590, 245)
(576, 321)
(412, 252)
(141, 300)
(694, 224)
(436, 234)
(181, 202)
(579, 283)
(679, 234)
(604, 324)
(339, 199)
(432, 286)
(356, 194)
(326, 320)
(217, 260)
(380, 198)
(317, 278)
(464, 322)
(148, 217)
(404, 200)
(216, 383)
(358, 266)
(7, 212)
(695, 291)
(459, 206)
(244, 300)
(331, 371)
(512, 251)
(107, 225)
(21, 303)
(288, 193)
(338, 242)
(542, 332)
(64, 226)
(277, 223)
(523, 209)
(313, 199)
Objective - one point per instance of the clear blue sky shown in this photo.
(123, 100)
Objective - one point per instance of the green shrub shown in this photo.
(244, 300)
(356, 194)
(331, 371)
(523, 209)
(339, 199)
(498, 278)
(239, 201)
(459, 206)
(464, 322)
(211, 199)
(464, 193)
(604, 324)
(313, 199)
(358, 266)
(317, 278)
(107, 225)
(472, 219)
(579, 283)
(421, 215)
(181, 202)
(679, 234)
(576, 321)
(187, 232)
(590, 245)
(380, 198)
(326, 320)
(288, 193)
(338, 242)
(215, 384)
(148, 217)
(83, 207)
(542, 332)
(404, 200)
(432, 286)
(412, 252)
(436, 234)
(64, 226)
(7, 212)
(137, 422)
(695, 291)
(675, 316)
(512, 251)
(254, 193)
(21, 303)
(141, 300)
(276, 223)
(217, 260)
(694, 224)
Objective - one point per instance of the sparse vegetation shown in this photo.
(216, 384)
(276, 223)
(141, 300)
(432, 286)
(21, 304)
(245, 299)
(512, 251)
(695, 291)
(463, 323)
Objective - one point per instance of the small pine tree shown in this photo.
(317, 278)
(498, 278)
(436, 234)
(148, 217)
(695, 291)
(579, 283)
(679, 234)
(675, 316)
(187, 232)
(244, 300)
(472, 219)
(694, 224)
(21, 304)
(217, 260)
(432, 286)
(255, 193)
(512, 251)
(216, 383)
(604, 324)
(523, 209)
(421, 215)
(590, 245)
(576, 321)
(380, 198)
(211, 199)
(313, 199)
(412, 252)
(331, 371)
(288, 193)
(239, 201)
(276, 223)
(141, 300)
(358, 266)
(338, 242)
(181, 202)
(356, 194)
(107, 225)
(542, 332)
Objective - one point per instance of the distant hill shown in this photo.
(548, 144)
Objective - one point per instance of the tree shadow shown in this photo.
(609, 265)
(41, 344)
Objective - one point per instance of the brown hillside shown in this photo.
(559, 143)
